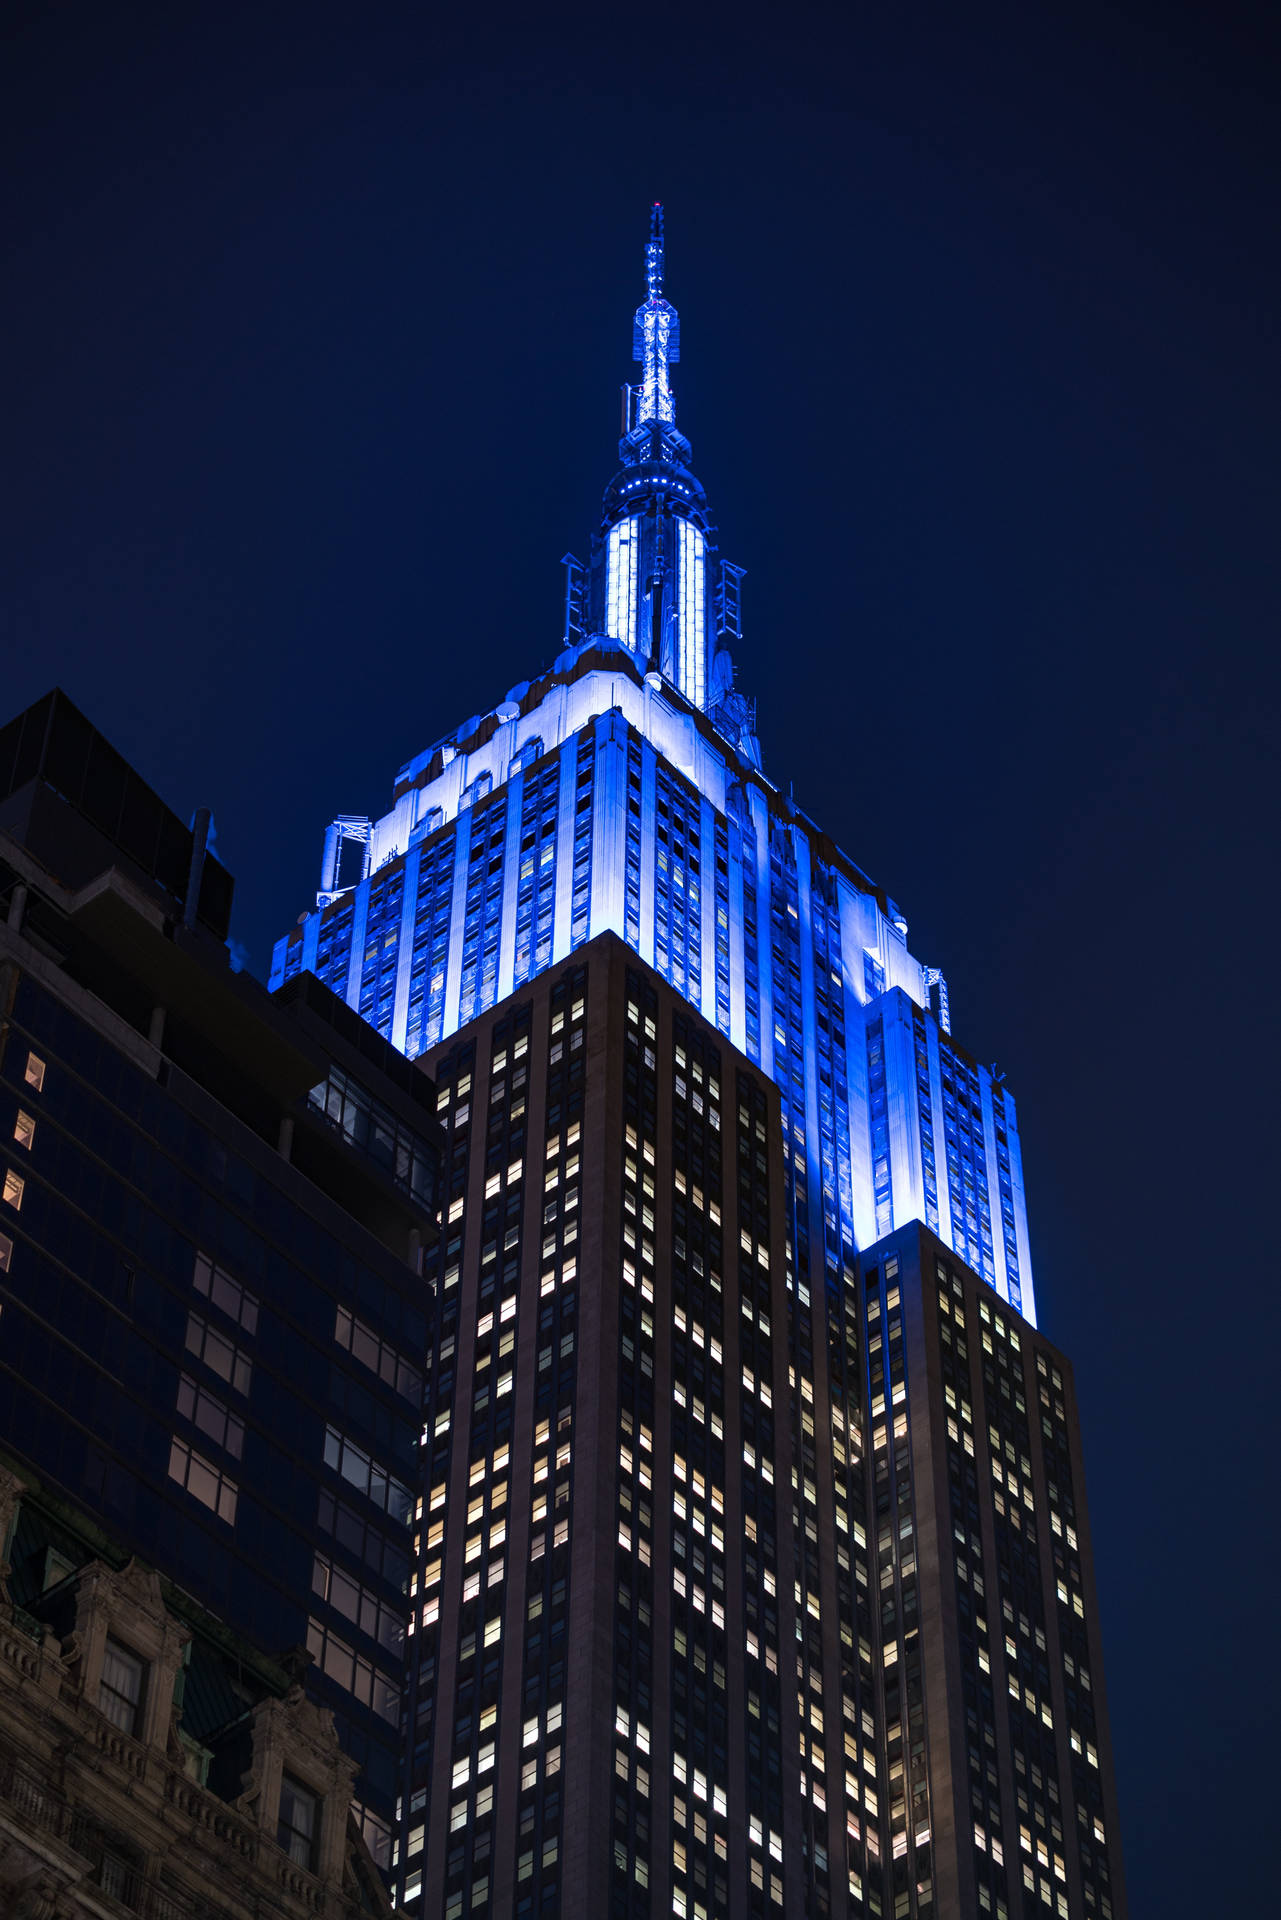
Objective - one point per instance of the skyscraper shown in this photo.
(703, 1101)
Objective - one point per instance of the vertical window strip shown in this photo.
(633, 1788)
(620, 609)
(429, 960)
(925, 1110)
(482, 921)
(966, 1163)
(751, 945)
(536, 884)
(382, 948)
(1005, 1185)
(677, 884)
(632, 887)
(580, 914)
(878, 1127)
(333, 950)
(721, 841)
(693, 626)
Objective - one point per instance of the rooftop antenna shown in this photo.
(575, 583)
(656, 335)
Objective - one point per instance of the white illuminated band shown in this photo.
(620, 593)
(691, 574)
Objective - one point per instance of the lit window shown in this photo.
(689, 590)
(120, 1689)
(234, 1300)
(202, 1478)
(207, 1411)
(620, 592)
(34, 1075)
(13, 1185)
(298, 1829)
(6, 1252)
(24, 1129)
(211, 1346)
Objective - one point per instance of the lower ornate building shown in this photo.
(151, 1761)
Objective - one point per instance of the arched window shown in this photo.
(479, 787)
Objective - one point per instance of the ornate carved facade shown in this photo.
(119, 1790)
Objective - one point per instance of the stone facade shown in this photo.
(95, 1820)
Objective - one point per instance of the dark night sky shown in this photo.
(313, 332)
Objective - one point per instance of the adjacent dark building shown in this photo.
(215, 1204)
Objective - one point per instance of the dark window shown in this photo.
(120, 1690)
(298, 1830)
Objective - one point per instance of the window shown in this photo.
(13, 1186)
(201, 1477)
(349, 1597)
(208, 1412)
(366, 1124)
(364, 1345)
(377, 1835)
(217, 1352)
(366, 1475)
(689, 593)
(360, 1536)
(24, 1129)
(351, 1670)
(228, 1294)
(6, 1252)
(120, 1689)
(116, 1867)
(298, 1829)
(34, 1075)
(57, 1568)
(621, 576)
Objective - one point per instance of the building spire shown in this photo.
(656, 335)
(654, 252)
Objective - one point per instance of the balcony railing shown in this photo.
(43, 1807)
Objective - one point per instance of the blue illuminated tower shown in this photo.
(432, 914)
(913, 1670)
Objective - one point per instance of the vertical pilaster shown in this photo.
(941, 1181)
(860, 1139)
(310, 942)
(764, 907)
(992, 1175)
(1020, 1208)
(356, 958)
(648, 823)
(902, 1115)
(737, 964)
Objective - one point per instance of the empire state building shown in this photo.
(752, 1565)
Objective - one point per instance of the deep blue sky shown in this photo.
(313, 329)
